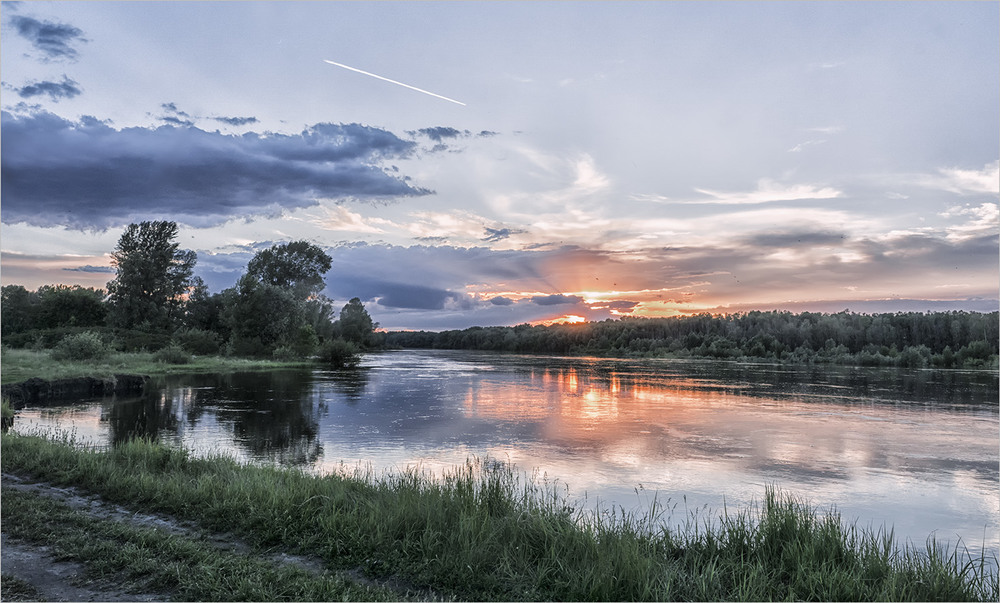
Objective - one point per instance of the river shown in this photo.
(915, 450)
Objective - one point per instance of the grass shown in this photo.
(14, 589)
(22, 364)
(483, 532)
(144, 560)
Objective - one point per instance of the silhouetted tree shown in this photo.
(355, 323)
(153, 277)
(297, 266)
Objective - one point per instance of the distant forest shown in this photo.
(914, 340)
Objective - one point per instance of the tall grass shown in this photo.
(22, 364)
(483, 531)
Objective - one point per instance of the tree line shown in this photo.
(911, 339)
(155, 303)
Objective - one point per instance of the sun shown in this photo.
(566, 319)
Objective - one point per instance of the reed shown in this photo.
(484, 531)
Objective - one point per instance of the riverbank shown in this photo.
(477, 533)
(21, 364)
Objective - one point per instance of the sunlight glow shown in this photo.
(568, 319)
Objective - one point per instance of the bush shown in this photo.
(247, 347)
(284, 353)
(339, 353)
(132, 340)
(172, 354)
(82, 346)
(198, 341)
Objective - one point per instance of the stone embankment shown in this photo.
(37, 390)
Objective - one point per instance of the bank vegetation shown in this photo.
(967, 340)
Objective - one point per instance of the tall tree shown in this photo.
(298, 266)
(153, 276)
(355, 323)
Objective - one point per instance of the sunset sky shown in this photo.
(592, 159)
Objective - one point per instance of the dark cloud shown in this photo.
(498, 234)
(176, 117)
(176, 121)
(794, 239)
(487, 134)
(96, 269)
(236, 121)
(67, 88)
(501, 301)
(54, 40)
(87, 174)
(416, 297)
(556, 299)
(621, 305)
(439, 133)
(172, 108)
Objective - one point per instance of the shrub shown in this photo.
(339, 353)
(198, 341)
(284, 353)
(172, 354)
(132, 340)
(81, 346)
(247, 347)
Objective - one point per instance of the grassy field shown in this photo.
(478, 532)
(22, 364)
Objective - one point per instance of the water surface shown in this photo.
(914, 449)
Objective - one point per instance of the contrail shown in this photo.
(451, 100)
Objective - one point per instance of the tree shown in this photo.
(18, 308)
(74, 306)
(260, 317)
(298, 266)
(355, 324)
(153, 276)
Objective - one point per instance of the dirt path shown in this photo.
(53, 580)
(34, 568)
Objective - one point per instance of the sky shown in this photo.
(517, 161)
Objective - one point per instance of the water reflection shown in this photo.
(913, 448)
(267, 416)
(142, 417)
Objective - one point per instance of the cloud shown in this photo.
(965, 181)
(500, 300)
(494, 235)
(556, 299)
(89, 175)
(802, 145)
(67, 88)
(176, 117)
(439, 133)
(54, 40)
(793, 239)
(94, 269)
(769, 191)
(172, 108)
(983, 221)
(624, 306)
(176, 121)
(403, 295)
(236, 121)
